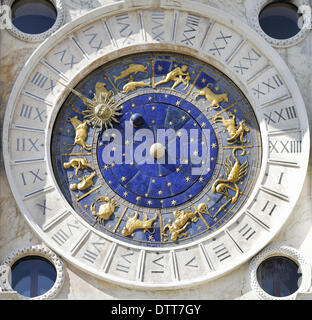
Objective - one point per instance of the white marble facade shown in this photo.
(293, 239)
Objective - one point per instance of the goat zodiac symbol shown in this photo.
(234, 172)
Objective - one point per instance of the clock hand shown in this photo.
(85, 100)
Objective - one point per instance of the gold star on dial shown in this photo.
(173, 202)
(123, 179)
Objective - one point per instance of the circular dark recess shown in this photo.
(33, 16)
(279, 20)
(279, 276)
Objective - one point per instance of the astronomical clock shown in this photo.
(155, 147)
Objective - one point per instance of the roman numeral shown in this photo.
(269, 208)
(43, 206)
(252, 56)
(158, 18)
(290, 146)
(220, 43)
(125, 31)
(24, 144)
(42, 82)
(266, 87)
(284, 114)
(93, 42)
(66, 61)
(124, 266)
(91, 255)
(221, 252)
(247, 232)
(191, 27)
(191, 263)
(158, 262)
(31, 177)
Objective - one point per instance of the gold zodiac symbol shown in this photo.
(132, 85)
(234, 172)
(81, 129)
(84, 183)
(176, 75)
(213, 98)
(134, 223)
(101, 93)
(133, 68)
(236, 133)
(101, 109)
(105, 210)
(181, 221)
(77, 164)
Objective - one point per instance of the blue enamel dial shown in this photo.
(156, 149)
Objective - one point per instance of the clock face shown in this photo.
(175, 158)
(155, 148)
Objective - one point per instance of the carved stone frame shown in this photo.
(285, 251)
(59, 6)
(254, 8)
(35, 250)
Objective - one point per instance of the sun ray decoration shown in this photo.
(102, 109)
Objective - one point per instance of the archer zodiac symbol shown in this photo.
(236, 133)
(81, 132)
(133, 68)
(234, 172)
(177, 75)
(181, 221)
(213, 98)
(77, 164)
(134, 223)
(105, 210)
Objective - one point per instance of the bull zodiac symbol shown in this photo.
(234, 172)
(213, 98)
(181, 221)
(134, 223)
(105, 210)
(236, 133)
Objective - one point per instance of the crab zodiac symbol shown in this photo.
(105, 210)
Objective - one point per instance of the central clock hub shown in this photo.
(157, 150)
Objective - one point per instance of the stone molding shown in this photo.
(59, 6)
(285, 251)
(35, 250)
(253, 11)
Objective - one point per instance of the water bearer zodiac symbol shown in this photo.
(234, 172)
